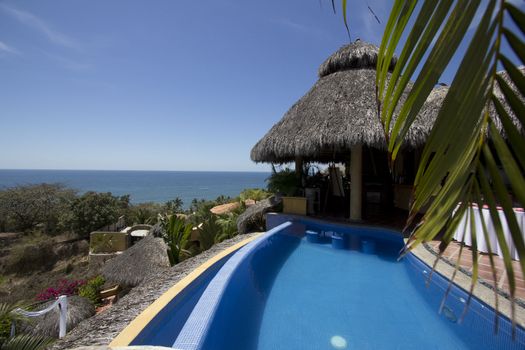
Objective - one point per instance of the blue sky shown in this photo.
(159, 85)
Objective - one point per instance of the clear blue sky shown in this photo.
(159, 85)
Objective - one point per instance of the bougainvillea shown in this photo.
(64, 287)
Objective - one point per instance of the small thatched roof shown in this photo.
(131, 267)
(78, 309)
(225, 208)
(338, 112)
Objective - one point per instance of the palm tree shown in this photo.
(473, 131)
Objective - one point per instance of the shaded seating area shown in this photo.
(336, 123)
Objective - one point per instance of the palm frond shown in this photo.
(26, 342)
(477, 139)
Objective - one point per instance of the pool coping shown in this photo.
(464, 281)
(133, 329)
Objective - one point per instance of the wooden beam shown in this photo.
(356, 183)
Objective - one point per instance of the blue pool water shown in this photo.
(368, 300)
(283, 292)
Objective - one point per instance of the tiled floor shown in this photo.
(484, 268)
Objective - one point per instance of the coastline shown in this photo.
(143, 186)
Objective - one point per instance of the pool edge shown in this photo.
(133, 329)
(464, 281)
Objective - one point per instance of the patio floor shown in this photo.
(484, 269)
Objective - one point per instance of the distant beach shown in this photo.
(143, 186)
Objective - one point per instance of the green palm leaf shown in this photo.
(26, 342)
(477, 127)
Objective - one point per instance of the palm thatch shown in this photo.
(78, 309)
(338, 112)
(499, 94)
(131, 267)
(358, 54)
(437, 96)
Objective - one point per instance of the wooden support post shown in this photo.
(356, 183)
(299, 170)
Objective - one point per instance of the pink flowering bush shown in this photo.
(64, 287)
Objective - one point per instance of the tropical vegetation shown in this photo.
(19, 341)
(176, 235)
(286, 181)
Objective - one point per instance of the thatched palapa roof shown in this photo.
(130, 268)
(338, 112)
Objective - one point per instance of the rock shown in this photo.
(253, 217)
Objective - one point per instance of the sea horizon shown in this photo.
(144, 170)
(156, 186)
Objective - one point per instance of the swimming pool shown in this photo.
(283, 291)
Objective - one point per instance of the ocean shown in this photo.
(143, 186)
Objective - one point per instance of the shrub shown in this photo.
(64, 287)
(93, 210)
(26, 207)
(91, 290)
(228, 226)
(144, 213)
(285, 181)
(200, 211)
(208, 231)
(256, 194)
(176, 236)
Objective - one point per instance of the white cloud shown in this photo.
(41, 26)
(6, 49)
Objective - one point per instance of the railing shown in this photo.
(61, 303)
